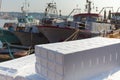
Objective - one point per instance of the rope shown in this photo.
(10, 52)
(74, 35)
(30, 50)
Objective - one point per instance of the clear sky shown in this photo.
(65, 5)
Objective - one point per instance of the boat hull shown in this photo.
(8, 37)
(16, 53)
(57, 34)
(31, 39)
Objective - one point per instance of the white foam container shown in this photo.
(77, 60)
(10, 69)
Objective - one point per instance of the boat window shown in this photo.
(22, 20)
(77, 18)
(30, 19)
(92, 18)
(116, 16)
(83, 19)
(86, 18)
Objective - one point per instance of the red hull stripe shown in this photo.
(56, 27)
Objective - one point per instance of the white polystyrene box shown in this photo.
(43, 62)
(51, 75)
(10, 69)
(114, 76)
(28, 74)
(51, 66)
(37, 50)
(82, 59)
(19, 62)
(51, 56)
(38, 68)
(43, 53)
(59, 69)
(59, 77)
(31, 77)
(59, 59)
(44, 71)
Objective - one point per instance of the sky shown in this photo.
(65, 5)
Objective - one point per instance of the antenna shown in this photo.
(89, 6)
(77, 6)
(51, 10)
(25, 8)
(60, 13)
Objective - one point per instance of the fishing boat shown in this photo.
(25, 29)
(27, 35)
(84, 25)
(115, 18)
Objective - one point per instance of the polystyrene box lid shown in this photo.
(79, 45)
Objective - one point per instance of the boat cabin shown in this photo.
(25, 19)
(89, 17)
(116, 19)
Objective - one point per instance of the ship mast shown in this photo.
(51, 10)
(88, 6)
(25, 8)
